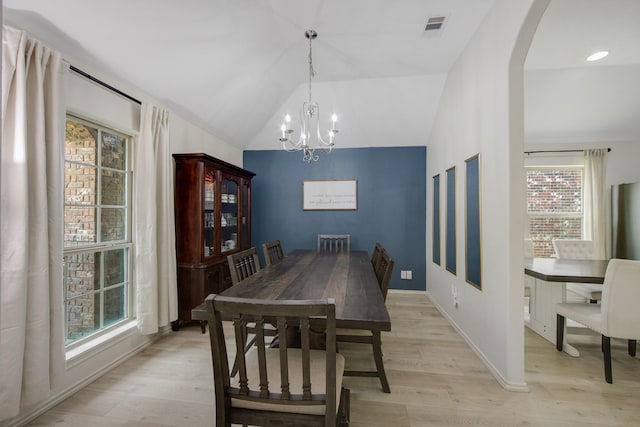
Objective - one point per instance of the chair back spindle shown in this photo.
(243, 264)
(272, 252)
(334, 243)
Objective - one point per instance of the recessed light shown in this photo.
(597, 56)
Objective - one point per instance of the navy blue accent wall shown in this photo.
(391, 203)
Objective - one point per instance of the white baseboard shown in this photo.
(35, 411)
(507, 385)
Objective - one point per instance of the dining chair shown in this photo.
(243, 264)
(383, 271)
(617, 315)
(334, 243)
(579, 249)
(375, 257)
(277, 386)
(272, 252)
(372, 338)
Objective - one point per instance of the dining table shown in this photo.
(550, 276)
(346, 277)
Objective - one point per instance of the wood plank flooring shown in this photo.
(436, 380)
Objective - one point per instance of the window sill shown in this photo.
(84, 351)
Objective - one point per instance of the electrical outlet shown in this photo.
(409, 275)
(403, 274)
(454, 295)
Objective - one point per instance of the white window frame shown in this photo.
(99, 247)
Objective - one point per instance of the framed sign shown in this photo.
(450, 231)
(333, 195)
(473, 247)
(436, 219)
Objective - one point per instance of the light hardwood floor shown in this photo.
(436, 380)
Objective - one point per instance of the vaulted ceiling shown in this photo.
(236, 67)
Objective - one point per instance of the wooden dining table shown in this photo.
(347, 277)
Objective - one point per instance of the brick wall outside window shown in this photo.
(554, 207)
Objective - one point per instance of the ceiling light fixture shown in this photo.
(310, 138)
(597, 56)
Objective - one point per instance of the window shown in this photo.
(554, 206)
(97, 238)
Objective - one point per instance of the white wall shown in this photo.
(481, 111)
(188, 138)
(622, 163)
(395, 111)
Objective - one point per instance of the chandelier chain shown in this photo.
(311, 71)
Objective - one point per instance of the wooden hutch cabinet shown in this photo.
(213, 220)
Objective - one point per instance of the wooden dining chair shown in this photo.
(617, 316)
(384, 270)
(243, 264)
(375, 257)
(272, 252)
(277, 386)
(372, 338)
(334, 243)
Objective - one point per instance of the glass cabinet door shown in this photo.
(229, 214)
(209, 210)
(245, 220)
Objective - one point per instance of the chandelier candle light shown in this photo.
(310, 138)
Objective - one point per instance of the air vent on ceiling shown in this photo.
(435, 23)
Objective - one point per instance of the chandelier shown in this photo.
(310, 138)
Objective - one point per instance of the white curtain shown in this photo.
(155, 254)
(595, 222)
(31, 191)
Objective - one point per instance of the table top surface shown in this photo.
(566, 270)
(347, 277)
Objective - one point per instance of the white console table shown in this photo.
(548, 278)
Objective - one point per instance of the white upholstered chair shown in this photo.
(617, 316)
(579, 249)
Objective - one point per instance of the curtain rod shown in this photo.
(101, 83)
(559, 151)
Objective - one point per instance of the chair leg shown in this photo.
(632, 348)
(377, 356)
(344, 411)
(559, 332)
(606, 342)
